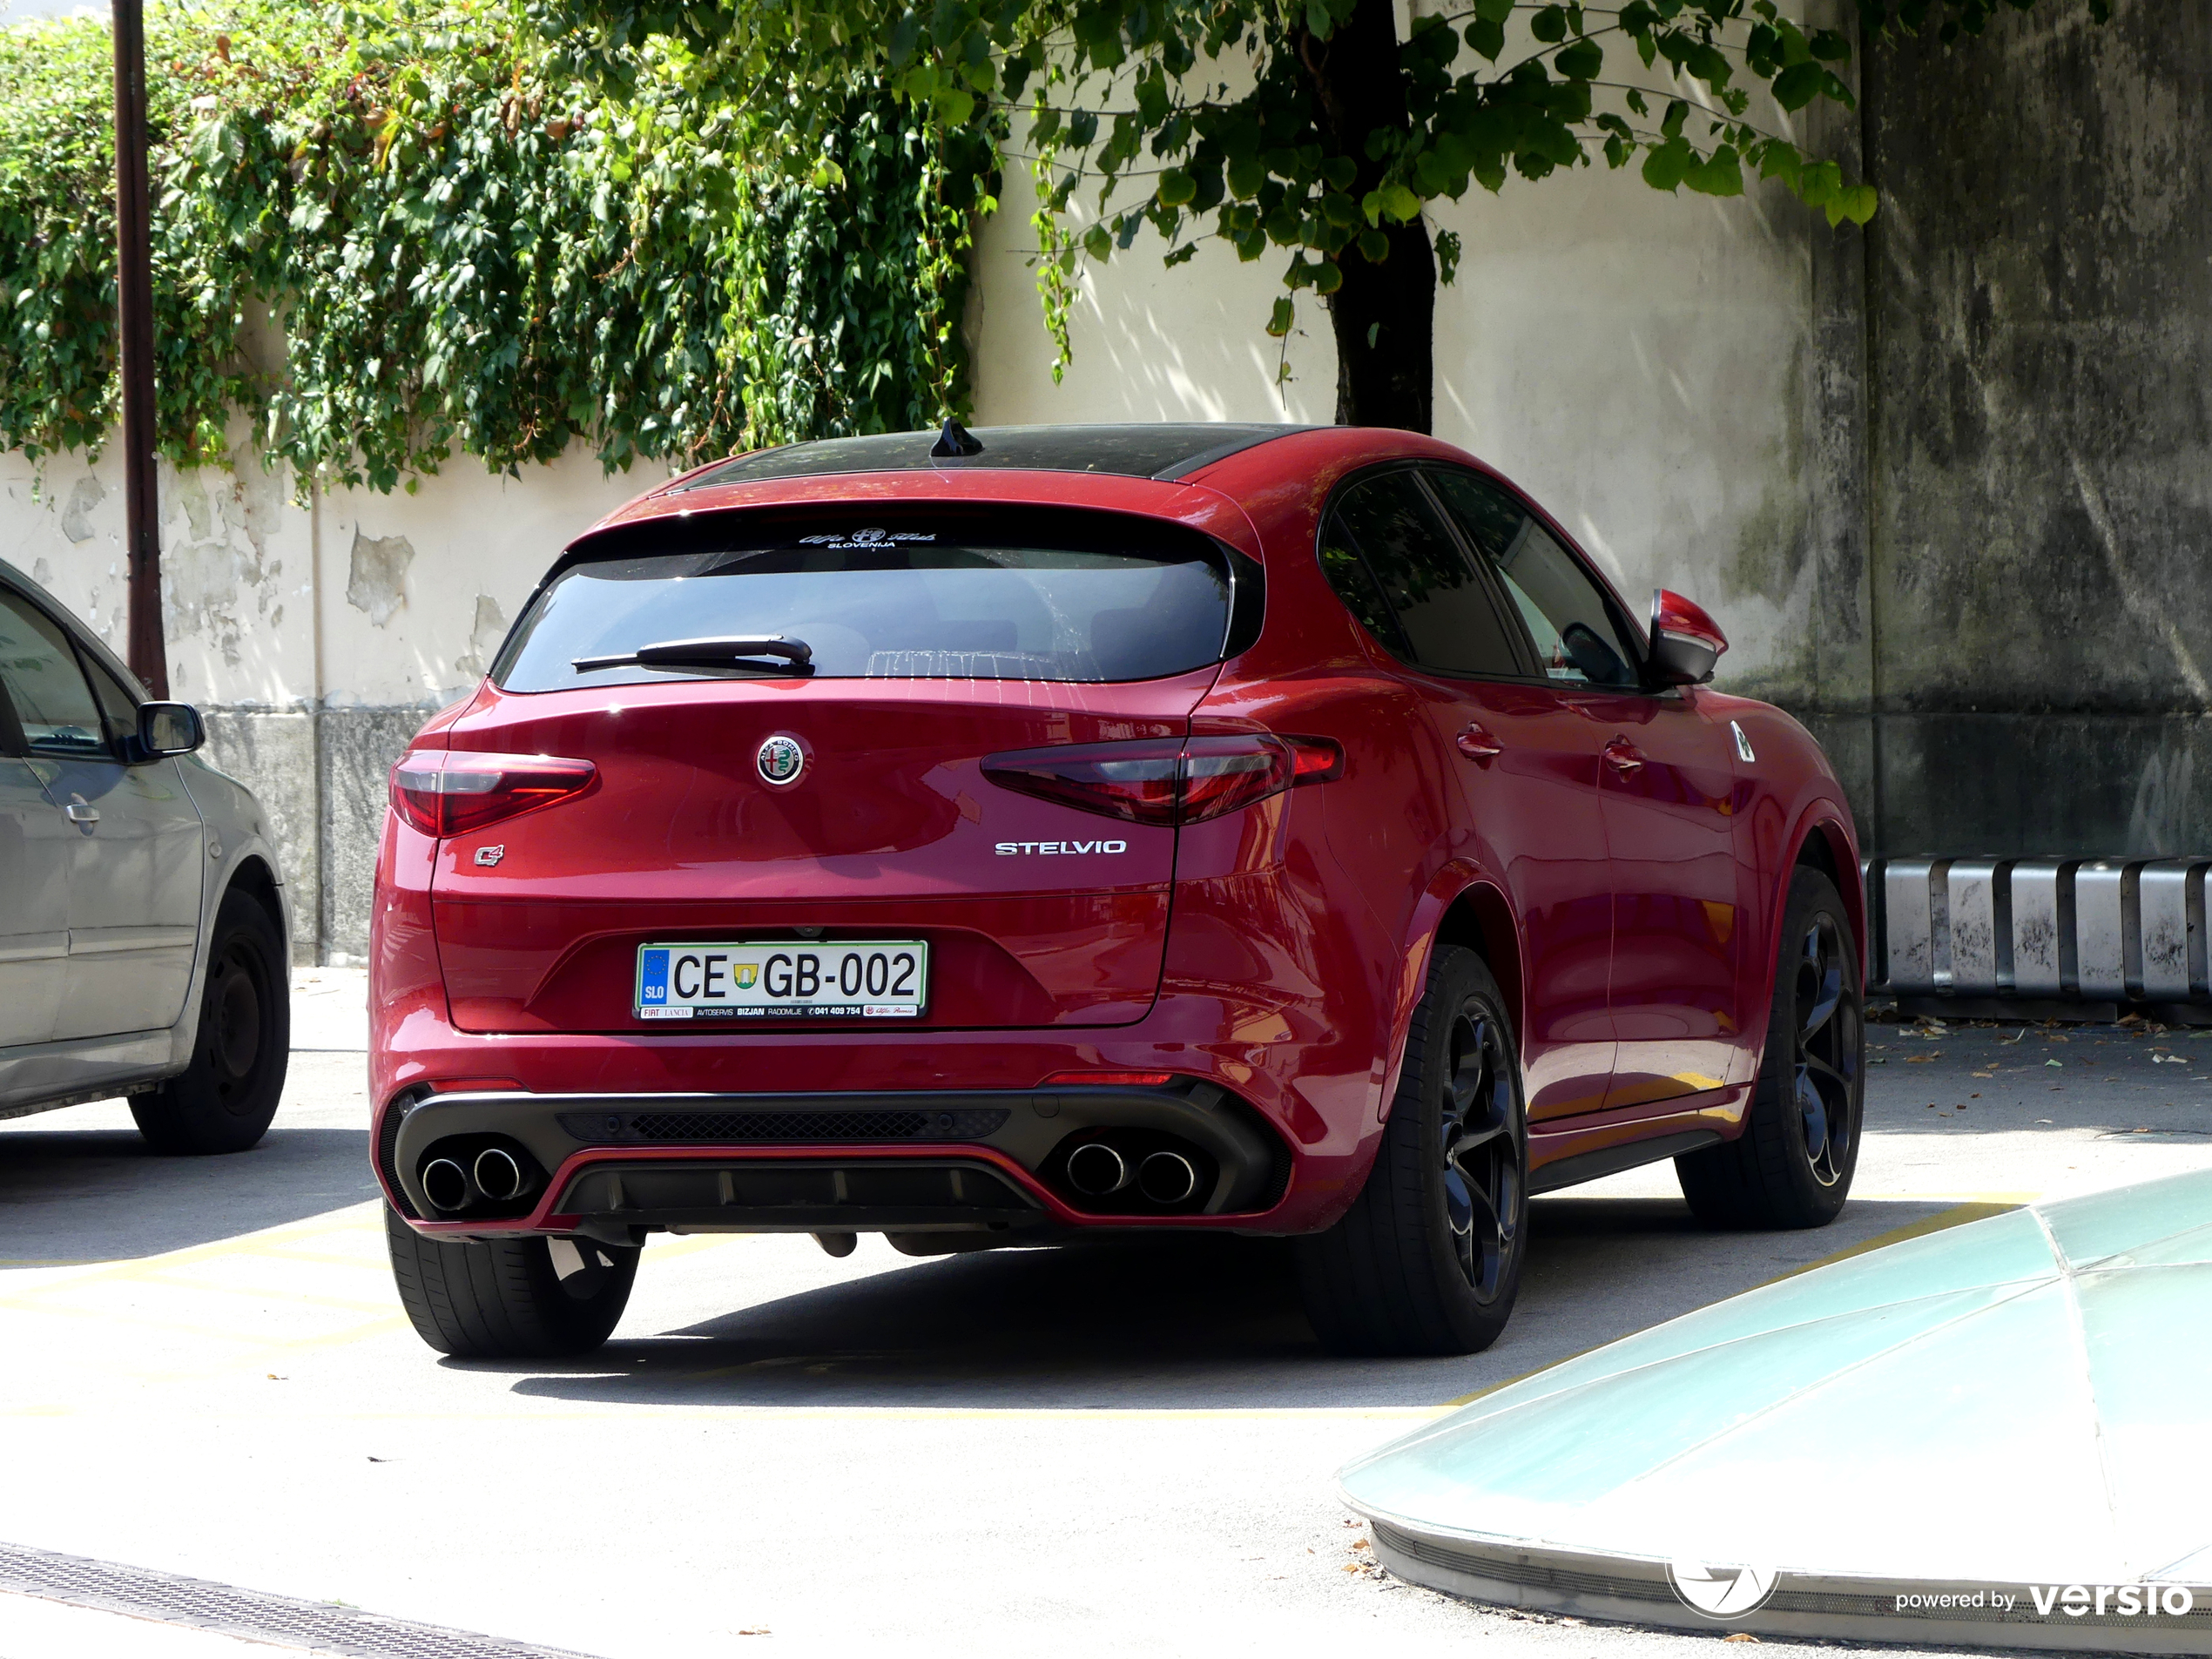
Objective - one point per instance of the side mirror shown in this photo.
(1685, 642)
(168, 728)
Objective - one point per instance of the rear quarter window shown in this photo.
(1050, 596)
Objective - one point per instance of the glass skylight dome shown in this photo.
(2012, 1408)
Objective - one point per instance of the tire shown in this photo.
(1428, 1259)
(506, 1299)
(225, 1098)
(1792, 1165)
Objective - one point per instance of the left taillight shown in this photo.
(1167, 783)
(449, 792)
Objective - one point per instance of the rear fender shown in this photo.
(406, 979)
(1461, 905)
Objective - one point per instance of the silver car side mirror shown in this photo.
(168, 728)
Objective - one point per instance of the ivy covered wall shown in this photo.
(463, 253)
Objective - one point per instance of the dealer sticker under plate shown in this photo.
(784, 979)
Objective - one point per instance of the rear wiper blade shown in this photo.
(733, 651)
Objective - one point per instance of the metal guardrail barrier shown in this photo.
(2090, 930)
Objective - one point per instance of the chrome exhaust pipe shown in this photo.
(445, 1183)
(1167, 1177)
(1096, 1168)
(500, 1175)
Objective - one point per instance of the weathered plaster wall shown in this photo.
(2040, 313)
(316, 638)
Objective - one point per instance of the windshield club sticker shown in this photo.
(1048, 849)
(845, 541)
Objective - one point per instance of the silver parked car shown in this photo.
(144, 927)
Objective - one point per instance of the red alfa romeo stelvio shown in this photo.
(999, 838)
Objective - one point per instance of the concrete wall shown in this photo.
(2040, 308)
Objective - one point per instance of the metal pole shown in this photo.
(148, 657)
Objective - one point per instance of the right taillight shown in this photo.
(450, 792)
(1167, 783)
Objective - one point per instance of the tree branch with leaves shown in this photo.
(1308, 129)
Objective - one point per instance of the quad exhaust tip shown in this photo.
(1167, 1177)
(1096, 1168)
(494, 1176)
(446, 1184)
(499, 1176)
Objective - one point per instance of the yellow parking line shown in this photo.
(267, 1349)
(243, 1245)
(113, 1316)
(325, 1258)
(312, 1299)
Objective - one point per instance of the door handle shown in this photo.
(1478, 744)
(1621, 756)
(79, 812)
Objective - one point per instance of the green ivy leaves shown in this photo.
(467, 253)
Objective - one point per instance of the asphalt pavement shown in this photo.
(1106, 1450)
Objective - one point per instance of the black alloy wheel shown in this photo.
(1484, 1201)
(1826, 1053)
(226, 1096)
(1428, 1259)
(1792, 1165)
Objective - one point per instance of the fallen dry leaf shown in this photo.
(1922, 1059)
(1741, 1635)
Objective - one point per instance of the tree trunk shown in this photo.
(1384, 314)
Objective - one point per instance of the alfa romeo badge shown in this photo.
(781, 761)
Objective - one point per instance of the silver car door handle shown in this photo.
(80, 814)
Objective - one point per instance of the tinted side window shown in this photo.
(52, 699)
(1576, 635)
(1355, 585)
(1443, 607)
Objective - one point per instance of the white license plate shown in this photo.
(784, 979)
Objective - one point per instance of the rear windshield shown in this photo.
(1072, 596)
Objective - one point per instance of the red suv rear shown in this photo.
(985, 840)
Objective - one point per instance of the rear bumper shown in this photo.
(991, 1160)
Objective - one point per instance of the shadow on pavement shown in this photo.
(1203, 1323)
(87, 1195)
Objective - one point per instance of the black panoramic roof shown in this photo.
(1163, 451)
